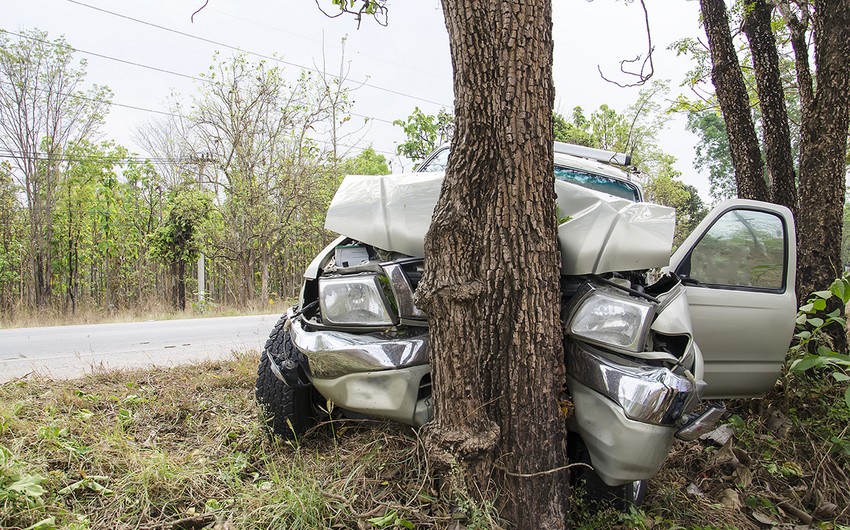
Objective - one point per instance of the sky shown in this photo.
(391, 70)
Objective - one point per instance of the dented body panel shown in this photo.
(601, 233)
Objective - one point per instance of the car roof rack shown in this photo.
(600, 155)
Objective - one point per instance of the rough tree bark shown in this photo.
(777, 134)
(491, 284)
(822, 158)
(734, 103)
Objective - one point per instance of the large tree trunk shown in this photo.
(491, 284)
(777, 134)
(823, 150)
(734, 103)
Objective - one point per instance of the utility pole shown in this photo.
(201, 159)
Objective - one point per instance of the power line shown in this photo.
(262, 56)
(156, 69)
(107, 102)
(124, 61)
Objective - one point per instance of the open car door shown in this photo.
(739, 269)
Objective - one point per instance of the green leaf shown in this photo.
(386, 520)
(847, 397)
(806, 363)
(816, 322)
(841, 378)
(803, 335)
(822, 294)
(819, 305)
(807, 308)
(841, 289)
(825, 351)
(44, 524)
(791, 469)
(29, 485)
(91, 483)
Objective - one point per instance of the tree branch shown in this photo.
(192, 18)
(377, 8)
(642, 75)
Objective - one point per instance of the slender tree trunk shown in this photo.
(491, 283)
(777, 134)
(823, 151)
(264, 278)
(181, 285)
(734, 103)
(800, 46)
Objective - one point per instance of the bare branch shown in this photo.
(192, 18)
(642, 74)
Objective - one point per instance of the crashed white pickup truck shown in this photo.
(643, 359)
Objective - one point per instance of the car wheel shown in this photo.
(597, 494)
(286, 410)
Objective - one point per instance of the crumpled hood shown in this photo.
(603, 233)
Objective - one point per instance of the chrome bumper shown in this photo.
(331, 354)
(647, 394)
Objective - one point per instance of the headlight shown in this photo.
(609, 318)
(357, 300)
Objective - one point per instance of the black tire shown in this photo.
(286, 410)
(597, 494)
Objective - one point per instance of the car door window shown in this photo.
(743, 249)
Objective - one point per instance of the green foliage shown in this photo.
(572, 131)
(391, 520)
(665, 188)
(424, 133)
(634, 131)
(19, 490)
(712, 152)
(178, 239)
(367, 162)
(813, 352)
(12, 240)
(40, 95)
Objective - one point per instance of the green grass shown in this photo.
(184, 448)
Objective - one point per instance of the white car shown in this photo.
(642, 359)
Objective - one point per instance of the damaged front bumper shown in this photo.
(648, 394)
(332, 353)
(629, 413)
(372, 374)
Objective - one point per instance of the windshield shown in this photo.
(608, 185)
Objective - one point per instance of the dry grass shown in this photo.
(183, 448)
(788, 464)
(146, 311)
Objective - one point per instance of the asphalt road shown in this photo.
(64, 352)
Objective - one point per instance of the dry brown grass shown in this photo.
(28, 318)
